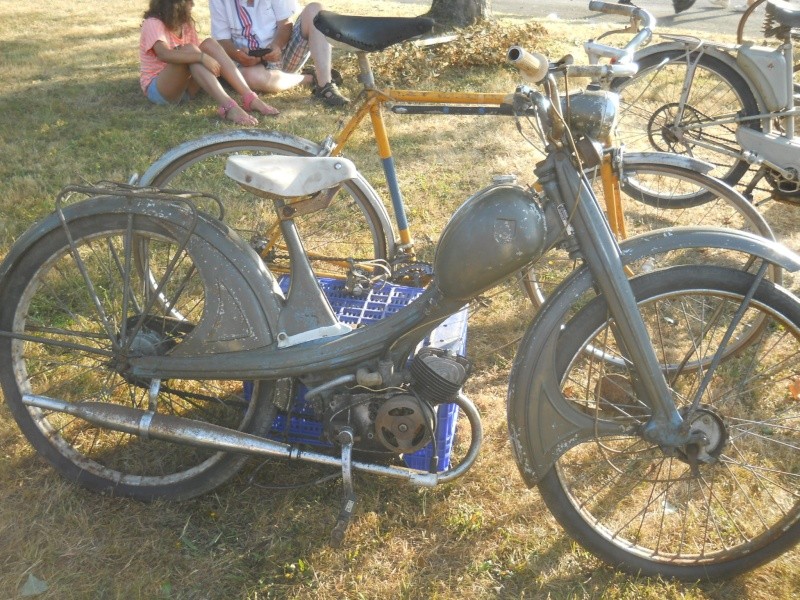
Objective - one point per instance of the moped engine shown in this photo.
(402, 421)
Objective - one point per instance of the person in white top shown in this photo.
(271, 50)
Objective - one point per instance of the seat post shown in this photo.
(366, 77)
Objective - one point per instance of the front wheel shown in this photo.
(699, 513)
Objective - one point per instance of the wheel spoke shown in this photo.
(57, 347)
(728, 499)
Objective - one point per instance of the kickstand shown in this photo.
(345, 438)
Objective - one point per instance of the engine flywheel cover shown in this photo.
(404, 424)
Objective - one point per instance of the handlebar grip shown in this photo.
(532, 65)
(612, 9)
(641, 15)
(603, 71)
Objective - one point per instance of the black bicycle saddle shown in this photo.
(781, 17)
(371, 33)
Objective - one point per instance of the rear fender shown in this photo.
(242, 299)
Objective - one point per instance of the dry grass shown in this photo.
(71, 109)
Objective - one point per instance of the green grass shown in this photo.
(71, 111)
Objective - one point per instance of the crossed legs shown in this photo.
(177, 79)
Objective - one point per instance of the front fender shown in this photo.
(542, 424)
(631, 161)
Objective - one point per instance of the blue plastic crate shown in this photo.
(383, 300)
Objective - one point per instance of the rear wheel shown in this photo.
(654, 118)
(350, 230)
(73, 315)
(652, 513)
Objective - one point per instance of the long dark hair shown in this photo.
(174, 13)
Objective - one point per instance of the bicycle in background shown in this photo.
(353, 236)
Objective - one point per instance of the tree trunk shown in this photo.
(459, 13)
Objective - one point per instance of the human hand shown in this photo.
(212, 64)
(275, 55)
(244, 59)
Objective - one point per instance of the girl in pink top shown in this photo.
(175, 65)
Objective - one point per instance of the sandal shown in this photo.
(243, 119)
(336, 76)
(267, 110)
(330, 95)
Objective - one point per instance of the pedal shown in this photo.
(345, 438)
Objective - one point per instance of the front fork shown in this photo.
(600, 251)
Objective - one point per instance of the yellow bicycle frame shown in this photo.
(373, 101)
(371, 106)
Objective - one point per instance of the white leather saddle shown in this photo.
(289, 176)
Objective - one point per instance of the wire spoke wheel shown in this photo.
(336, 236)
(655, 116)
(76, 315)
(706, 511)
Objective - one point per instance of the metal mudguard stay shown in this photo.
(542, 424)
(242, 298)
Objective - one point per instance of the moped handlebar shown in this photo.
(642, 22)
(535, 67)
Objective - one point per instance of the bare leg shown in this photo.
(317, 43)
(232, 74)
(229, 109)
(272, 81)
(173, 81)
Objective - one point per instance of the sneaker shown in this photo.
(720, 3)
(330, 95)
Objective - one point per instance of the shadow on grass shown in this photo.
(483, 536)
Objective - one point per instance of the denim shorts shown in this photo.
(156, 98)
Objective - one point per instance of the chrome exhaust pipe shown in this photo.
(180, 430)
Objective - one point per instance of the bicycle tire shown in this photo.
(724, 208)
(648, 513)
(354, 226)
(648, 107)
(72, 354)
